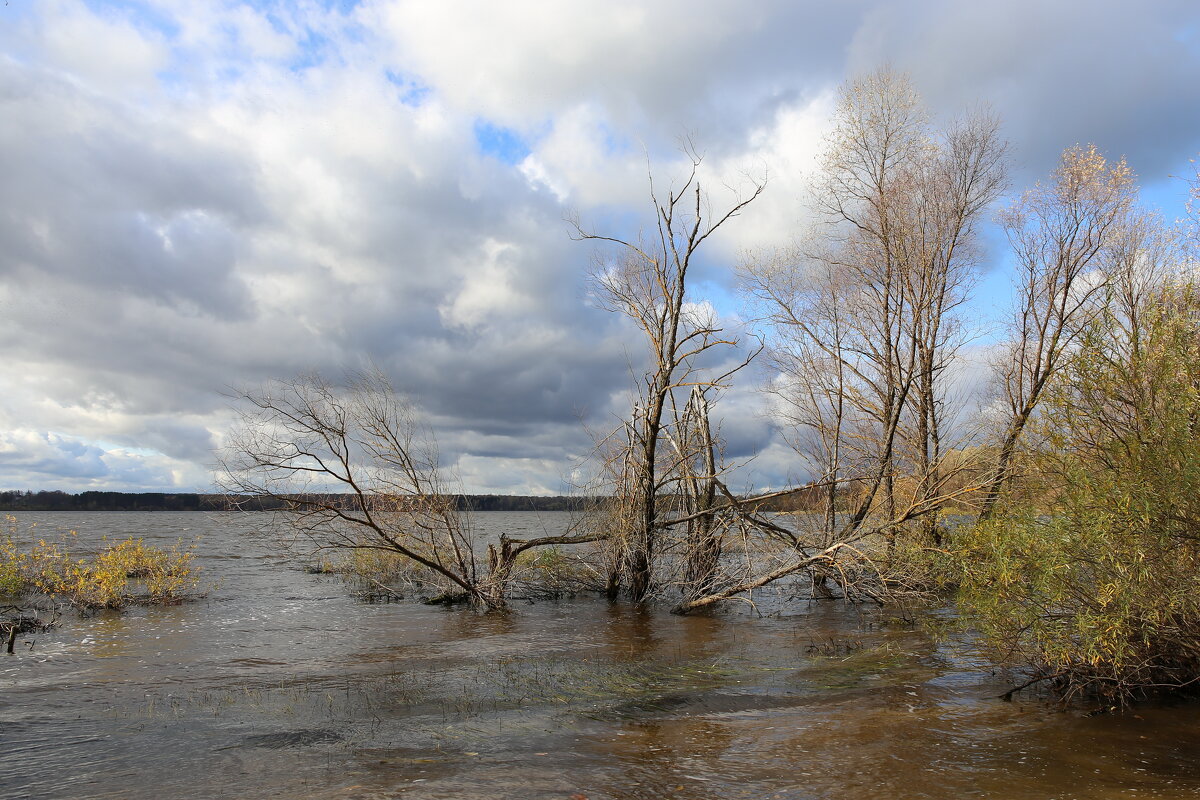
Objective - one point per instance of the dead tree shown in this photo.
(647, 280)
(862, 312)
(696, 453)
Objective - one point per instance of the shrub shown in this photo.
(553, 571)
(102, 581)
(1097, 587)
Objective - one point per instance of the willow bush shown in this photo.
(1095, 585)
(121, 573)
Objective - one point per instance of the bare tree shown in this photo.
(864, 312)
(647, 282)
(953, 187)
(866, 327)
(1061, 234)
(815, 386)
(697, 458)
(353, 468)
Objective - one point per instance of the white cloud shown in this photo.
(33, 459)
(103, 51)
(487, 288)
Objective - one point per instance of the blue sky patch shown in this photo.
(502, 144)
(412, 91)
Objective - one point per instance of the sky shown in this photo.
(197, 198)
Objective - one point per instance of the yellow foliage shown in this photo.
(103, 581)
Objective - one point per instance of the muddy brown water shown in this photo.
(280, 685)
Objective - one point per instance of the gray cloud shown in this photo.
(1059, 73)
(214, 202)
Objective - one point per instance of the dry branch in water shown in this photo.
(354, 469)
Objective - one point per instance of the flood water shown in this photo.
(280, 685)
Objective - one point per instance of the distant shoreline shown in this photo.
(187, 501)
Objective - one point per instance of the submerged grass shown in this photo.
(442, 698)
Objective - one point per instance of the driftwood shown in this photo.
(22, 623)
(1008, 696)
(825, 555)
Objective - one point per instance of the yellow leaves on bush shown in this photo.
(110, 579)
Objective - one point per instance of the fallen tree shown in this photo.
(352, 468)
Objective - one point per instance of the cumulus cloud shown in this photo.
(200, 196)
(31, 459)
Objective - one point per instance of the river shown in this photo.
(279, 684)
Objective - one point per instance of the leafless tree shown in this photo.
(868, 170)
(697, 464)
(647, 280)
(1061, 233)
(953, 187)
(353, 468)
(864, 312)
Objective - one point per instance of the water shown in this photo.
(280, 685)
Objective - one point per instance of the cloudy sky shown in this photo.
(203, 195)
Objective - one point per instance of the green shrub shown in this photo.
(1097, 587)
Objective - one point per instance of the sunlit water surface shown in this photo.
(280, 685)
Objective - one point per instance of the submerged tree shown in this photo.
(665, 447)
(354, 469)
